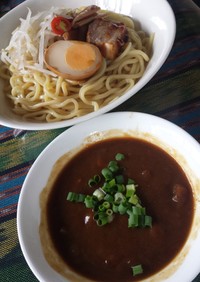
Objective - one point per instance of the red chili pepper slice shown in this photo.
(60, 25)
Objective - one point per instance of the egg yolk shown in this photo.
(80, 56)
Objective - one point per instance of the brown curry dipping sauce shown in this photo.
(107, 253)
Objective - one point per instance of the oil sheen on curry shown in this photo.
(108, 252)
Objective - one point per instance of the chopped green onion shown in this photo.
(97, 178)
(119, 198)
(130, 190)
(109, 212)
(136, 210)
(143, 210)
(112, 183)
(107, 173)
(113, 190)
(91, 182)
(134, 199)
(106, 187)
(110, 218)
(81, 198)
(70, 196)
(89, 201)
(119, 179)
(113, 166)
(130, 181)
(121, 187)
(148, 221)
(108, 198)
(99, 194)
(101, 208)
(115, 208)
(137, 269)
(106, 205)
(119, 157)
(75, 197)
(133, 220)
(102, 221)
(141, 220)
(122, 209)
(100, 215)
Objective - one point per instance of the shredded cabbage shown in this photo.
(28, 42)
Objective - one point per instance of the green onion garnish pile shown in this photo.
(113, 196)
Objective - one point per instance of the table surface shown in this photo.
(173, 94)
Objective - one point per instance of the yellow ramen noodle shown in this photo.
(45, 97)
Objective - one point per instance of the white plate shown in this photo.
(155, 16)
(176, 141)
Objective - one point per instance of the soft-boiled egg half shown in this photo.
(74, 60)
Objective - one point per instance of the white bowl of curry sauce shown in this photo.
(61, 240)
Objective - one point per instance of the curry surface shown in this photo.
(107, 253)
